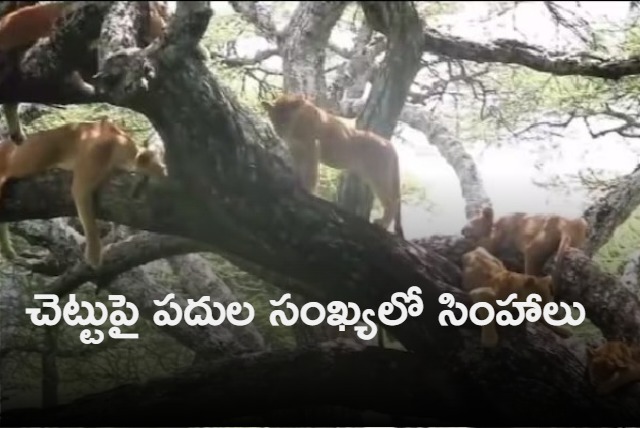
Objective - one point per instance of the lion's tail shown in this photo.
(397, 221)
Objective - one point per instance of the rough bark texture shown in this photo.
(400, 23)
(225, 168)
(630, 272)
(534, 57)
(453, 152)
(299, 380)
(302, 46)
(12, 306)
(41, 74)
(203, 281)
(140, 285)
(606, 214)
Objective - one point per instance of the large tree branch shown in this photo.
(304, 44)
(199, 279)
(121, 256)
(609, 304)
(45, 67)
(121, 29)
(536, 58)
(353, 75)
(400, 23)
(259, 16)
(453, 152)
(348, 89)
(12, 305)
(630, 271)
(423, 390)
(610, 211)
(138, 285)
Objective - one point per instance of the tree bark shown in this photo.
(300, 379)
(606, 214)
(400, 23)
(302, 45)
(453, 152)
(534, 57)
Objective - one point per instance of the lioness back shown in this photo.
(53, 148)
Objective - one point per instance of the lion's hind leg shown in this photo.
(382, 183)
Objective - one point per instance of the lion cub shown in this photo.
(613, 365)
(486, 279)
(314, 135)
(91, 150)
(536, 236)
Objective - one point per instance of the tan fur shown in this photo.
(536, 236)
(613, 365)
(478, 267)
(487, 280)
(91, 150)
(27, 25)
(314, 136)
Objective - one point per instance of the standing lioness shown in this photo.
(314, 136)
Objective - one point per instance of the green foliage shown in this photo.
(430, 10)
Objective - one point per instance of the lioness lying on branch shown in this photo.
(91, 150)
(536, 236)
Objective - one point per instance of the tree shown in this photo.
(226, 165)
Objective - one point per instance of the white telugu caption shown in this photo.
(531, 310)
(409, 304)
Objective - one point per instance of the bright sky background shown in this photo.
(507, 172)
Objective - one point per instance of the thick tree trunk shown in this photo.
(302, 45)
(400, 23)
